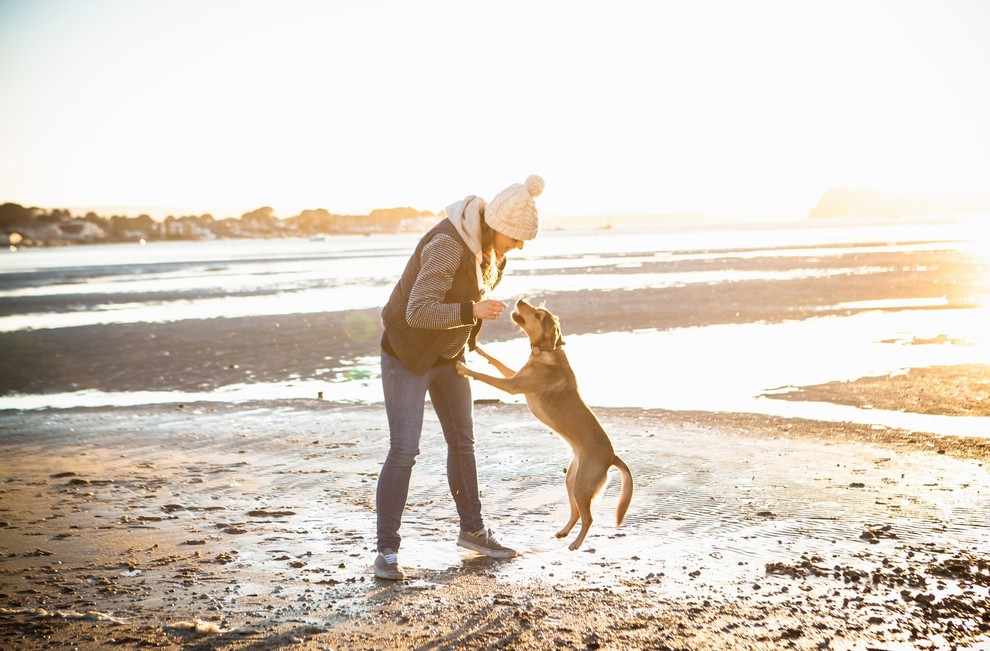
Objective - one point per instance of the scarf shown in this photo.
(465, 215)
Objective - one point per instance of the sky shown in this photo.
(721, 107)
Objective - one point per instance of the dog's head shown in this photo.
(539, 324)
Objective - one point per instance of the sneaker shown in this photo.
(484, 543)
(387, 566)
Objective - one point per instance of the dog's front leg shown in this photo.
(502, 368)
(511, 385)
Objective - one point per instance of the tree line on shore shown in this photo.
(24, 226)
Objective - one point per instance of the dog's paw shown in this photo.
(462, 369)
(574, 545)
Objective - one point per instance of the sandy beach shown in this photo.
(251, 526)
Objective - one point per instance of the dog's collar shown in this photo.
(543, 349)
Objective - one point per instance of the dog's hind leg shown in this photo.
(584, 510)
(588, 482)
(575, 514)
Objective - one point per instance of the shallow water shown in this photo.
(170, 281)
(356, 285)
(744, 362)
(711, 368)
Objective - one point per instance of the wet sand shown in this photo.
(122, 527)
(962, 390)
(217, 526)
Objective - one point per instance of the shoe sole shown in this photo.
(388, 574)
(493, 553)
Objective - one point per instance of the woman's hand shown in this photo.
(489, 309)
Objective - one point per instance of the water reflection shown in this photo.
(722, 368)
(728, 367)
(355, 291)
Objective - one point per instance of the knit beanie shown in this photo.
(513, 212)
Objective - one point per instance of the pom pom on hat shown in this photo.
(513, 212)
(534, 185)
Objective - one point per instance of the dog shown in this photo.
(551, 391)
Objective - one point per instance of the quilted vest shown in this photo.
(419, 348)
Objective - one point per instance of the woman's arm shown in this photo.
(439, 261)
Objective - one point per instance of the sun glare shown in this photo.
(977, 237)
(628, 108)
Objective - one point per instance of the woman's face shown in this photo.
(504, 244)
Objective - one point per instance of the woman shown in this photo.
(434, 312)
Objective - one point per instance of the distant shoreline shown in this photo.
(14, 241)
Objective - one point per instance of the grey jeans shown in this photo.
(405, 405)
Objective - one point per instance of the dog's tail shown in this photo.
(627, 490)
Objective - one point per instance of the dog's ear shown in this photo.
(551, 331)
(560, 338)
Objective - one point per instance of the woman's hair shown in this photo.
(489, 268)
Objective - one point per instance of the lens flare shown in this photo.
(359, 327)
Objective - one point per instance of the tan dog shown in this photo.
(551, 391)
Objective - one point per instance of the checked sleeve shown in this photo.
(426, 309)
